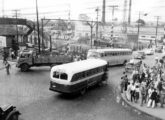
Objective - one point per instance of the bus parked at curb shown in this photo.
(77, 77)
(112, 55)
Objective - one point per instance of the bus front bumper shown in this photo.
(65, 88)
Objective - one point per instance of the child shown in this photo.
(152, 99)
(7, 66)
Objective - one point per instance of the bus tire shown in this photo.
(83, 91)
(24, 67)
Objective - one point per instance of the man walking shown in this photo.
(7, 66)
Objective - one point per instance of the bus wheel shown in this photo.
(24, 67)
(83, 91)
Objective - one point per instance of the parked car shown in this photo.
(131, 65)
(140, 55)
(9, 112)
(159, 49)
(149, 52)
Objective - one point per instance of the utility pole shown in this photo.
(3, 14)
(157, 18)
(50, 37)
(42, 34)
(125, 17)
(16, 16)
(91, 24)
(138, 32)
(129, 16)
(97, 26)
(38, 31)
(69, 28)
(103, 11)
(164, 34)
(113, 11)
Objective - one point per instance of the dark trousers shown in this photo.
(7, 71)
(132, 96)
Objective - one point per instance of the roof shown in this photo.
(79, 66)
(109, 49)
(7, 30)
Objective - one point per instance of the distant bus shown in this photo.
(76, 77)
(112, 55)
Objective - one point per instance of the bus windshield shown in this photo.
(59, 75)
(93, 54)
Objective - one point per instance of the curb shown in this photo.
(125, 103)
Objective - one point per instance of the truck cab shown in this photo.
(25, 60)
(29, 58)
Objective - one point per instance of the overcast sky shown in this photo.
(60, 8)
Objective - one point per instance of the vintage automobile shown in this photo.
(149, 52)
(159, 49)
(140, 55)
(8, 112)
(131, 65)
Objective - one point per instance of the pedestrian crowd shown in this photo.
(146, 85)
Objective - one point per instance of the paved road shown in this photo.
(29, 92)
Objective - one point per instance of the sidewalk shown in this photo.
(158, 113)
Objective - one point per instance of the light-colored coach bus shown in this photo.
(76, 77)
(112, 55)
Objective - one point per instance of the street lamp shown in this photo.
(139, 27)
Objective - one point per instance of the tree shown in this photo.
(84, 17)
(141, 22)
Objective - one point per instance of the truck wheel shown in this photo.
(24, 67)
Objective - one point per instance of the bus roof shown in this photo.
(79, 66)
(110, 49)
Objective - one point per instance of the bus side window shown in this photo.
(83, 74)
(87, 73)
(74, 78)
